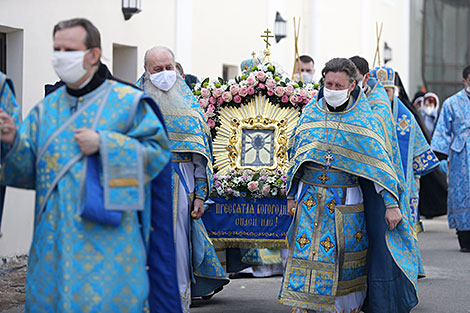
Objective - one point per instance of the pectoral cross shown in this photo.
(328, 159)
(253, 54)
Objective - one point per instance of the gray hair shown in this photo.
(157, 48)
(341, 65)
(93, 38)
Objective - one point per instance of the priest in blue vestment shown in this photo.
(451, 139)
(338, 140)
(384, 276)
(199, 270)
(416, 154)
(9, 105)
(90, 150)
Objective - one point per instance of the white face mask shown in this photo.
(468, 89)
(428, 110)
(335, 98)
(69, 65)
(163, 80)
(359, 83)
(307, 78)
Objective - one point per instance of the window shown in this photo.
(125, 63)
(446, 45)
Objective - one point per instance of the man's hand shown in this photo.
(291, 207)
(392, 217)
(8, 128)
(88, 140)
(198, 209)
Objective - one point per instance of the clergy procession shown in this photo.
(157, 194)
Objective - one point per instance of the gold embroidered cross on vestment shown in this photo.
(327, 244)
(303, 240)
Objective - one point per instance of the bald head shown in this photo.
(158, 59)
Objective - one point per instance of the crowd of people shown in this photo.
(121, 173)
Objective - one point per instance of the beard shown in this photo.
(167, 101)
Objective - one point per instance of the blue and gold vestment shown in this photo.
(384, 276)
(189, 137)
(77, 265)
(452, 138)
(328, 245)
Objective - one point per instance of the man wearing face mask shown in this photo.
(337, 140)
(89, 149)
(307, 69)
(451, 141)
(191, 159)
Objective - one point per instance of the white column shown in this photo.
(405, 48)
(184, 33)
(316, 40)
(365, 32)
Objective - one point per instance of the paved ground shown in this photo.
(446, 288)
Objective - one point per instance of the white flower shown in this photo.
(236, 193)
(197, 86)
(224, 87)
(271, 180)
(274, 191)
(232, 82)
(220, 191)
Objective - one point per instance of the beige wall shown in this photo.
(205, 34)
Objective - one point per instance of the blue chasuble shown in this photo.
(358, 143)
(77, 265)
(452, 137)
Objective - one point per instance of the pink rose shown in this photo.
(294, 99)
(227, 96)
(243, 91)
(237, 99)
(228, 190)
(251, 81)
(266, 190)
(215, 176)
(303, 93)
(261, 86)
(285, 99)
(252, 186)
(220, 100)
(261, 76)
(234, 89)
(217, 183)
(205, 93)
(210, 108)
(271, 83)
(279, 91)
(270, 92)
(212, 100)
(211, 124)
(289, 90)
(251, 90)
(217, 93)
(203, 103)
(228, 177)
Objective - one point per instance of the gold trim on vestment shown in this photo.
(356, 208)
(346, 287)
(316, 265)
(185, 137)
(175, 201)
(350, 128)
(123, 182)
(354, 256)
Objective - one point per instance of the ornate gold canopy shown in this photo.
(253, 136)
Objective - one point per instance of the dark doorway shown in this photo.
(3, 53)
